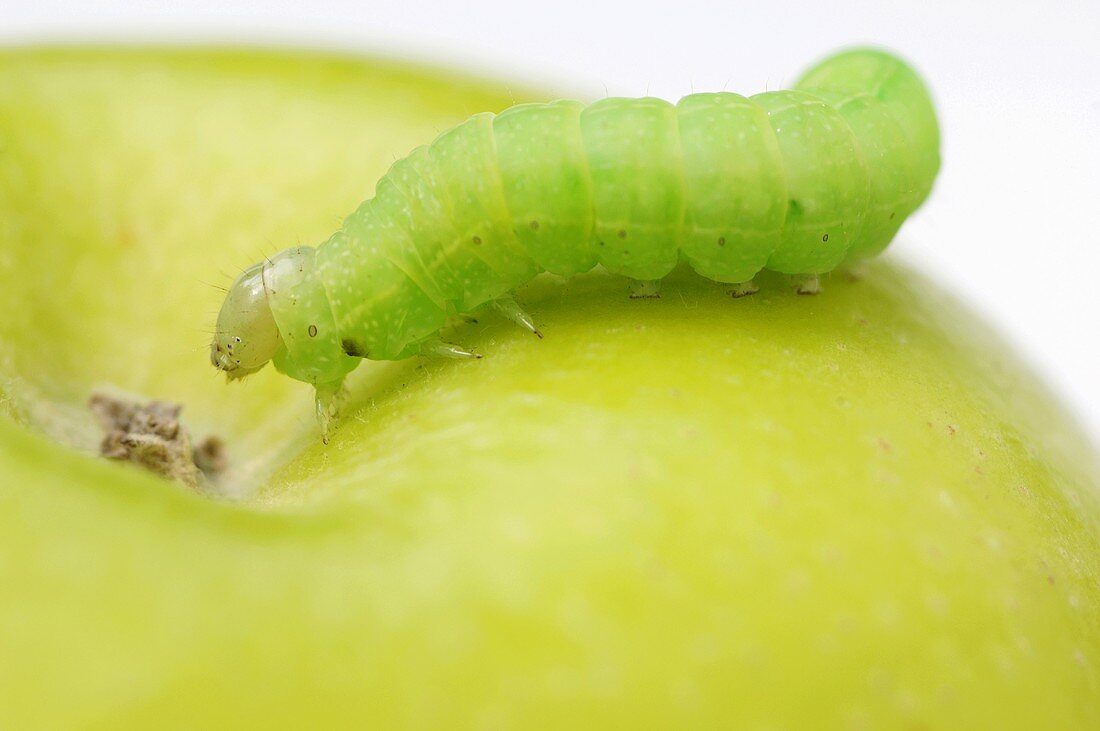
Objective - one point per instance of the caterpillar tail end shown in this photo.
(329, 402)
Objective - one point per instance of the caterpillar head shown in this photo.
(246, 337)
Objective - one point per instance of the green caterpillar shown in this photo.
(792, 181)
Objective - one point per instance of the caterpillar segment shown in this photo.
(797, 182)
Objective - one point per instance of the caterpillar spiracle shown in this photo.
(795, 181)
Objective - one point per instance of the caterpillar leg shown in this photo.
(440, 349)
(512, 311)
(645, 289)
(806, 283)
(857, 269)
(742, 289)
(329, 401)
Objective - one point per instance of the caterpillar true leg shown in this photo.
(742, 289)
(440, 349)
(645, 289)
(329, 402)
(512, 311)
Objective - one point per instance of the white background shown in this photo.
(1013, 224)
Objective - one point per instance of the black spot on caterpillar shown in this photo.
(793, 181)
(353, 348)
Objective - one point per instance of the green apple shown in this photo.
(856, 510)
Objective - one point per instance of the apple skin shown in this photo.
(856, 510)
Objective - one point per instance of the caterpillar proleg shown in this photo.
(795, 181)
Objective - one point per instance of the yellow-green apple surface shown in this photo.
(856, 510)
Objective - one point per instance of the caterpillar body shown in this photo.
(794, 181)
